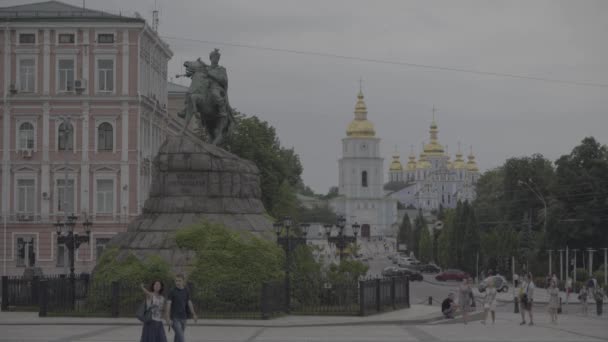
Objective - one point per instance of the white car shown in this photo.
(405, 261)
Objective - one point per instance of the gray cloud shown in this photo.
(310, 99)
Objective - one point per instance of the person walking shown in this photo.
(179, 308)
(464, 299)
(489, 304)
(599, 299)
(582, 297)
(553, 301)
(527, 298)
(515, 280)
(568, 290)
(153, 330)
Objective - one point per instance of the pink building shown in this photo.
(108, 74)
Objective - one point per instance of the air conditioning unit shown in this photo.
(79, 86)
(27, 153)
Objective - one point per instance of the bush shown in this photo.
(230, 267)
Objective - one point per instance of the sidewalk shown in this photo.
(417, 314)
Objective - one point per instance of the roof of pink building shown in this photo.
(58, 10)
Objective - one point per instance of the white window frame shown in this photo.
(58, 32)
(112, 121)
(28, 235)
(114, 179)
(31, 31)
(29, 175)
(60, 176)
(23, 119)
(58, 123)
(20, 58)
(112, 32)
(57, 76)
(66, 256)
(105, 57)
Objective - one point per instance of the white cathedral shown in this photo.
(432, 182)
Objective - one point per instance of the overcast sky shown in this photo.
(310, 99)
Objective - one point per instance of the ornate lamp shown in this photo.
(356, 228)
(328, 228)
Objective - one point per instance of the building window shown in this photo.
(105, 196)
(105, 137)
(61, 255)
(65, 137)
(105, 75)
(364, 179)
(100, 246)
(27, 75)
(65, 197)
(105, 38)
(26, 136)
(27, 38)
(25, 195)
(66, 38)
(26, 251)
(66, 75)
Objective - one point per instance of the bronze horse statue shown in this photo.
(208, 97)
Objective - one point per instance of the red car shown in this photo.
(452, 275)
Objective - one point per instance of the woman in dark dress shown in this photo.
(153, 330)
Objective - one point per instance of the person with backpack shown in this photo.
(179, 308)
(526, 298)
(153, 329)
(599, 299)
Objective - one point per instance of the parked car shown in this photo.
(392, 271)
(452, 275)
(406, 261)
(499, 282)
(429, 268)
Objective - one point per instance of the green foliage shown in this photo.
(425, 246)
(497, 247)
(306, 276)
(256, 140)
(446, 249)
(230, 267)
(599, 275)
(332, 193)
(419, 225)
(471, 244)
(347, 271)
(130, 269)
(405, 234)
(319, 214)
(582, 274)
(286, 203)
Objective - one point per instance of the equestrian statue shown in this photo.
(208, 97)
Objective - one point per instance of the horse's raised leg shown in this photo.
(189, 111)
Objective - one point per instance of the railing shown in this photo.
(82, 296)
(383, 294)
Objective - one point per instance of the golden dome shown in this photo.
(433, 148)
(411, 164)
(396, 164)
(458, 162)
(360, 126)
(423, 163)
(471, 164)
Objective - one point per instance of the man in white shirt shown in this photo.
(527, 298)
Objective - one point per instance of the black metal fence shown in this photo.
(81, 296)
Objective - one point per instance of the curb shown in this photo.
(253, 325)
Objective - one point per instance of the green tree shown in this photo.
(446, 250)
(471, 243)
(581, 192)
(256, 140)
(425, 246)
(419, 225)
(405, 231)
(318, 214)
(286, 202)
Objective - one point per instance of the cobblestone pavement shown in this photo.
(507, 328)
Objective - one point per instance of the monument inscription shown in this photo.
(186, 182)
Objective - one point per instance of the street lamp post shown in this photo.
(71, 240)
(289, 244)
(561, 263)
(590, 250)
(550, 261)
(341, 240)
(540, 197)
(574, 268)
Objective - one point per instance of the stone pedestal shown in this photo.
(194, 181)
